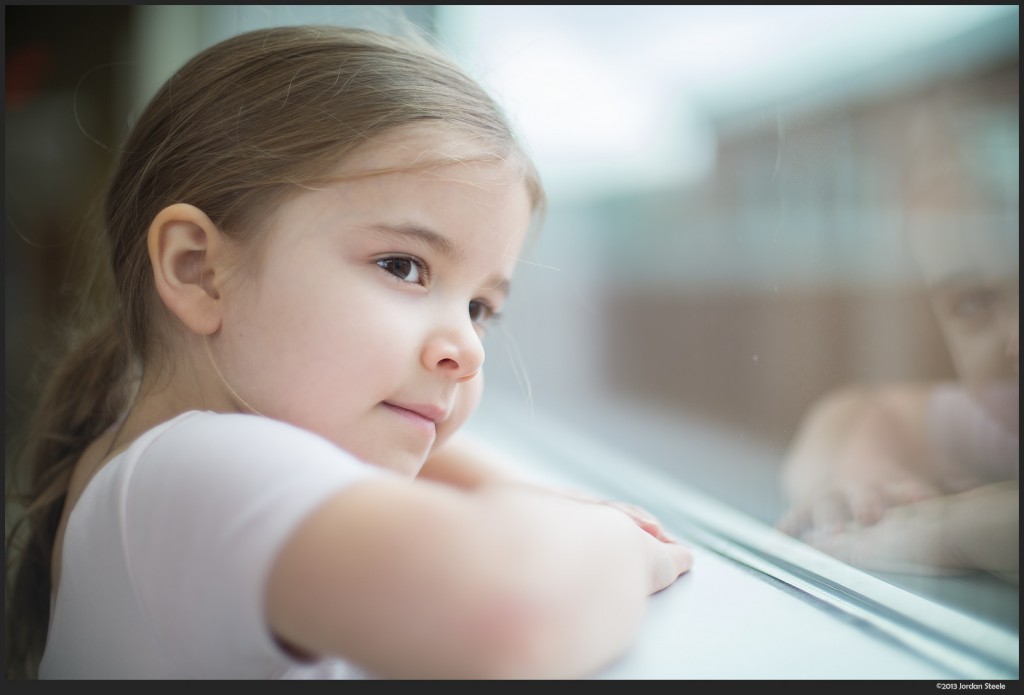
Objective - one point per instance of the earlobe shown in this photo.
(184, 247)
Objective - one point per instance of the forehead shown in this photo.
(430, 148)
(968, 247)
(424, 177)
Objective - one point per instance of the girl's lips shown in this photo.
(424, 417)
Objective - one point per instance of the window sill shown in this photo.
(758, 604)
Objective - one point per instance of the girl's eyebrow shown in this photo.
(444, 246)
(499, 284)
(958, 279)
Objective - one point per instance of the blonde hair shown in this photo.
(234, 132)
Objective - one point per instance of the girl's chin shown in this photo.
(1002, 403)
(401, 462)
(403, 468)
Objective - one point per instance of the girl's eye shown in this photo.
(405, 268)
(973, 304)
(481, 313)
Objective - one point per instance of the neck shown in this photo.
(172, 387)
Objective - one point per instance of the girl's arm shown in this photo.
(411, 579)
(859, 452)
(465, 461)
(468, 462)
(976, 529)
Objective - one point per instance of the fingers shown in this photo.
(825, 514)
(830, 512)
(865, 505)
(682, 558)
(643, 519)
(901, 543)
(794, 521)
(672, 560)
(909, 491)
(852, 506)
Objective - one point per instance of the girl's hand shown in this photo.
(951, 534)
(640, 516)
(644, 519)
(467, 462)
(858, 454)
(846, 503)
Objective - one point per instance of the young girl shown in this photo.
(249, 470)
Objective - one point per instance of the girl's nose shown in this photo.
(1013, 339)
(455, 349)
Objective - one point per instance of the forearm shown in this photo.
(468, 463)
(423, 580)
(860, 433)
(578, 585)
(974, 530)
(465, 461)
(981, 528)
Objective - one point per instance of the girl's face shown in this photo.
(972, 273)
(363, 319)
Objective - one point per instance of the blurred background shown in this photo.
(728, 192)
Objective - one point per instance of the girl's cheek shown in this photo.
(467, 399)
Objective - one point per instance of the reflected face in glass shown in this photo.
(964, 216)
(973, 285)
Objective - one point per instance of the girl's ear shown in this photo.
(185, 248)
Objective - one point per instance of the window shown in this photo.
(758, 209)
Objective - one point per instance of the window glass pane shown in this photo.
(781, 265)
